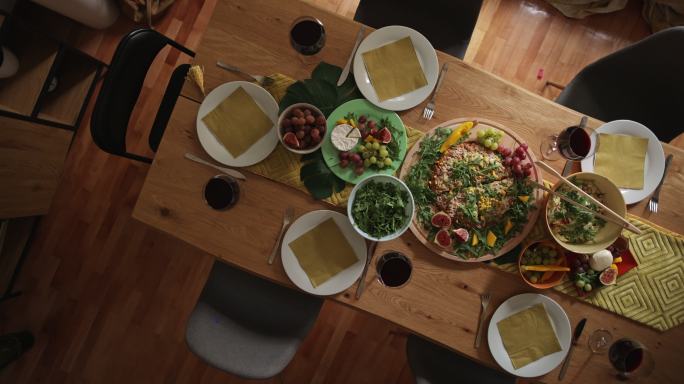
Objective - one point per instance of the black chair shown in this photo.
(432, 364)
(643, 82)
(447, 24)
(121, 88)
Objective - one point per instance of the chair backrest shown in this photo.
(643, 82)
(173, 90)
(447, 24)
(121, 88)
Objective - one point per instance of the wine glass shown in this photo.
(573, 143)
(599, 341)
(307, 36)
(631, 359)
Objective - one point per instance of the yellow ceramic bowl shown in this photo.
(557, 277)
(612, 199)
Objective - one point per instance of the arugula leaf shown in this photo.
(379, 209)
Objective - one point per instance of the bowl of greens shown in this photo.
(578, 230)
(380, 207)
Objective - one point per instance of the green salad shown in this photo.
(379, 208)
(570, 223)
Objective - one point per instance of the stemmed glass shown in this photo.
(631, 359)
(573, 143)
(599, 341)
(307, 36)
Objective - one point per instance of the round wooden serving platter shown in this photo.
(509, 139)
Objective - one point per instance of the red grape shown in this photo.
(371, 124)
(321, 129)
(344, 163)
(310, 119)
(344, 155)
(515, 160)
(315, 133)
(358, 170)
(527, 171)
(287, 122)
(300, 134)
(519, 151)
(524, 146)
(320, 120)
(507, 161)
(522, 155)
(298, 112)
(307, 112)
(527, 166)
(362, 119)
(355, 157)
(362, 126)
(517, 169)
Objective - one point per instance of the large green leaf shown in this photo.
(322, 91)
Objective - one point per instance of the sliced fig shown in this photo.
(462, 235)
(290, 139)
(443, 238)
(384, 135)
(441, 220)
(608, 277)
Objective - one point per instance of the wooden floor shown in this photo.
(108, 297)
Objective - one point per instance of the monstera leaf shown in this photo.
(322, 91)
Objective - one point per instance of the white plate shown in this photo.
(655, 157)
(257, 152)
(559, 321)
(426, 56)
(337, 283)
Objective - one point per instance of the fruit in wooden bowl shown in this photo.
(542, 264)
(301, 128)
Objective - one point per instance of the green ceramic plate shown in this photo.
(363, 107)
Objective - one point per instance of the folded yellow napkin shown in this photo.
(621, 159)
(394, 69)
(238, 122)
(528, 336)
(323, 252)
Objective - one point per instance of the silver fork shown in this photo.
(653, 203)
(429, 110)
(287, 218)
(484, 300)
(264, 81)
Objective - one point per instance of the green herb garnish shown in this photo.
(379, 209)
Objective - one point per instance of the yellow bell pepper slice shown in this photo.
(341, 121)
(524, 198)
(613, 266)
(508, 227)
(475, 240)
(617, 260)
(455, 135)
(491, 239)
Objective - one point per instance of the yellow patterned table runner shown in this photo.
(652, 293)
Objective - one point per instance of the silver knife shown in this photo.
(227, 171)
(362, 280)
(575, 338)
(345, 71)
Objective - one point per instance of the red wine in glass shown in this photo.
(307, 35)
(574, 143)
(221, 192)
(394, 269)
(630, 358)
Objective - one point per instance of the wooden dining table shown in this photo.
(442, 300)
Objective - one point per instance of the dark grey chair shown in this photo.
(432, 364)
(248, 326)
(643, 82)
(447, 24)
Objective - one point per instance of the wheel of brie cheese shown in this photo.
(344, 137)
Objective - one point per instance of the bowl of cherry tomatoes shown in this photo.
(301, 128)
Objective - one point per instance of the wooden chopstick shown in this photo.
(624, 222)
(583, 207)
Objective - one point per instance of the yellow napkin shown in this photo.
(238, 122)
(394, 69)
(621, 159)
(323, 252)
(528, 336)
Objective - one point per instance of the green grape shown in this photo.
(580, 283)
(480, 134)
(587, 287)
(380, 165)
(383, 147)
(376, 145)
(369, 145)
(362, 149)
(373, 160)
(366, 155)
(383, 153)
(489, 132)
(494, 146)
(487, 143)
(387, 161)
(366, 163)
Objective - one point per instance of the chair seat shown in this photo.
(234, 347)
(432, 364)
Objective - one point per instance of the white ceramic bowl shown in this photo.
(280, 131)
(380, 178)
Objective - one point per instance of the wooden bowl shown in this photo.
(612, 199)
(557, 277)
